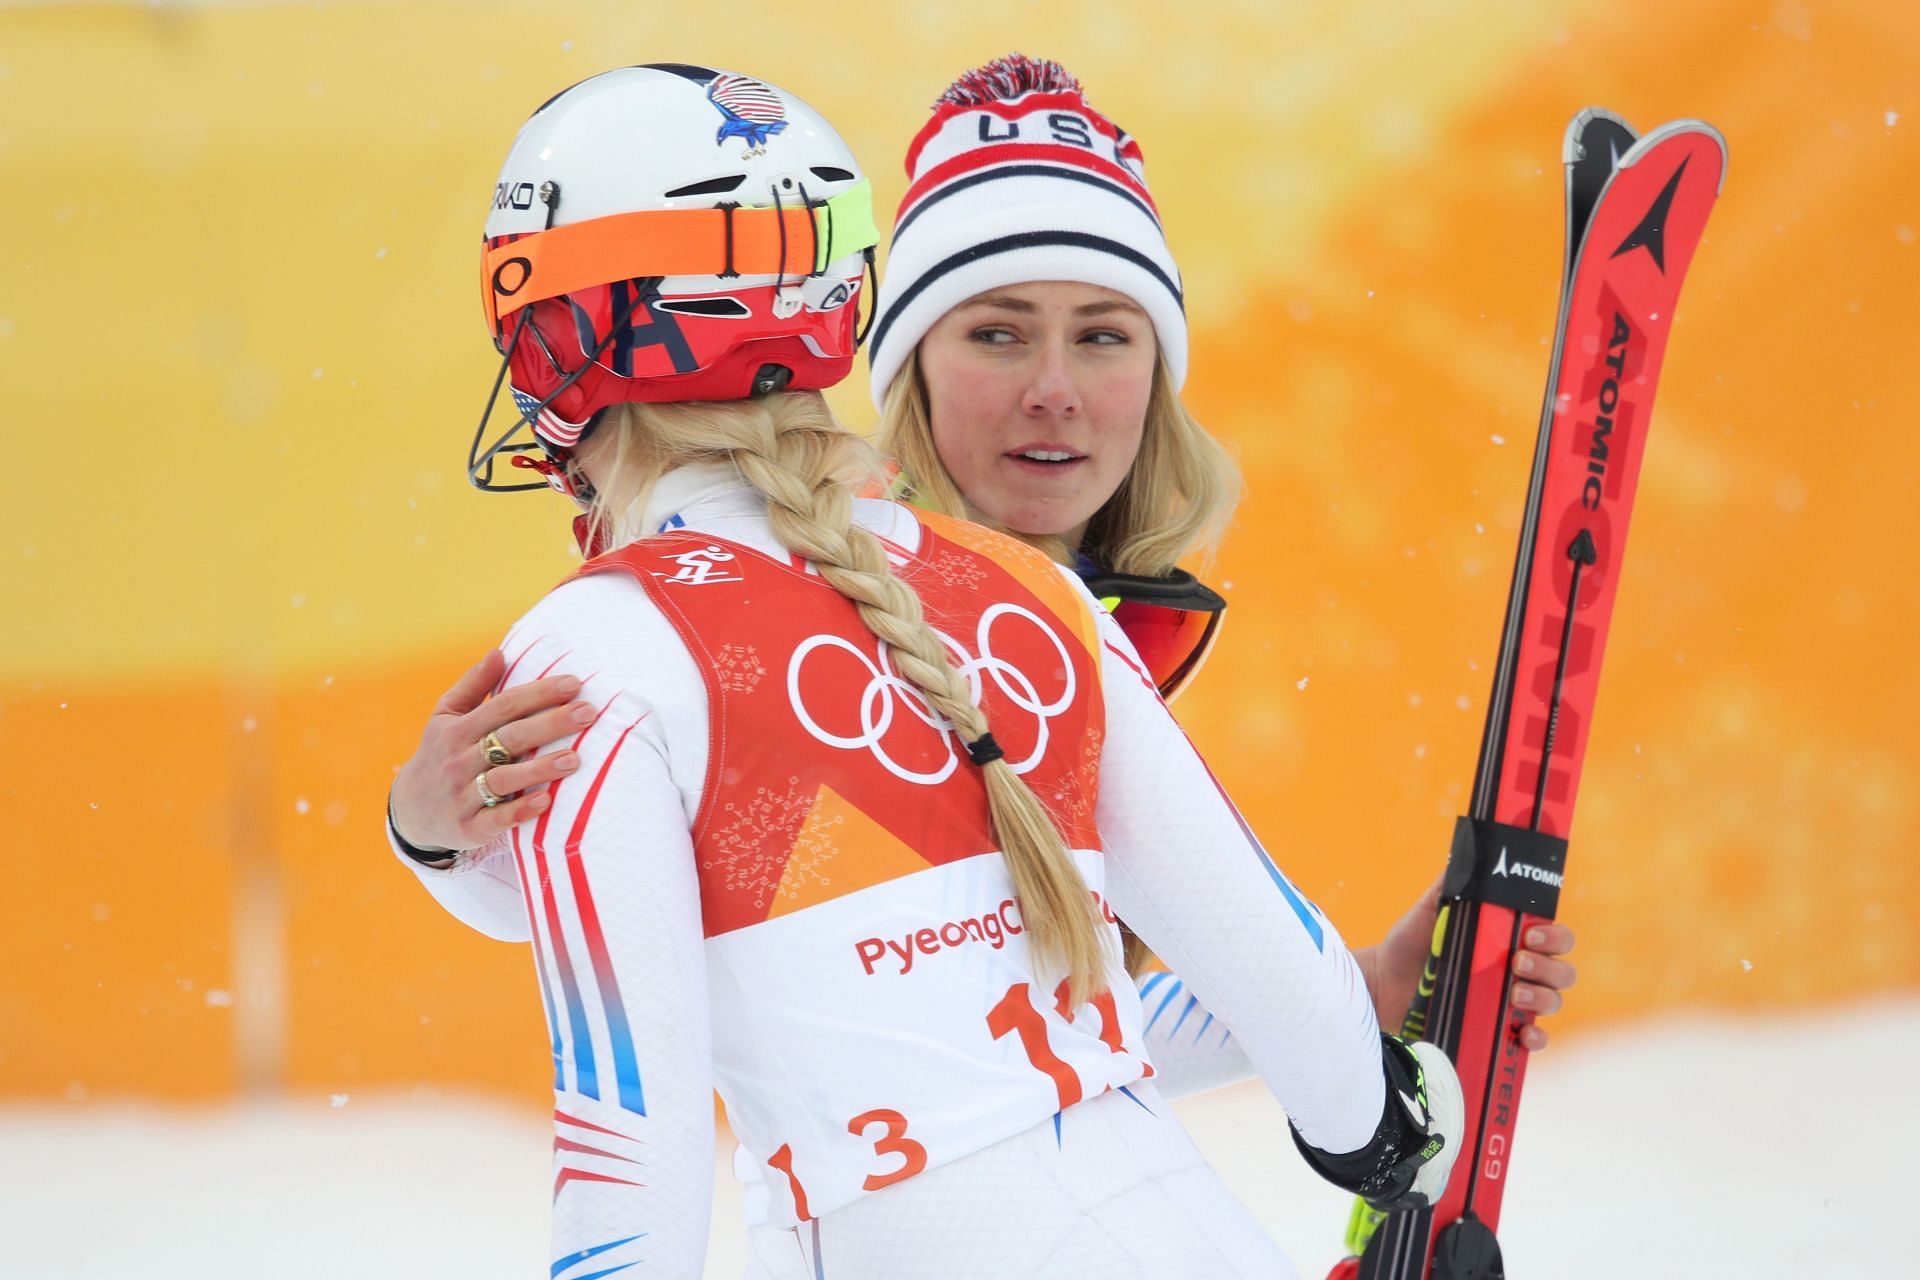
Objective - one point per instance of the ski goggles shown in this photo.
(1172, 621)
(727, 240)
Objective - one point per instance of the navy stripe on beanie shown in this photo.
(1021, 171)
(1009, 244)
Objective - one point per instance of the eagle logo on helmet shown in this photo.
(751, 110)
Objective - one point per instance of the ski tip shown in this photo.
(1572, 151)
(1676, 128)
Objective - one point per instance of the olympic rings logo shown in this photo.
(886, 691)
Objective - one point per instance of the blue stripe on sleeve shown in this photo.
(1193, 1002)
(574, 1259)
(1173, 990)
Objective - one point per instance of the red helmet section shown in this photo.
(642, 347)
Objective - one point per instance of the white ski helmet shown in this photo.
(668, 232)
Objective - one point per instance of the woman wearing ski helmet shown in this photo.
(806, 855)
(1027, 364)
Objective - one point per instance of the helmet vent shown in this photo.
(827, 173)
(710, 187)
(725, 308)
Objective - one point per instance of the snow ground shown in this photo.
(1692, 1148)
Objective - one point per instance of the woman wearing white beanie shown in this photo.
(1030, 343)
(1030, 298)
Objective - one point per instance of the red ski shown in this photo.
(1635, 213)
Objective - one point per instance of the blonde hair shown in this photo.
(810, 468)
(1178, 497)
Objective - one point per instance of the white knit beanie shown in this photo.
(1016, 179)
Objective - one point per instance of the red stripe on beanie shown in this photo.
(1010, 153)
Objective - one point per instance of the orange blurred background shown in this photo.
(242, 356)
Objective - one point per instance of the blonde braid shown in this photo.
(790, 448)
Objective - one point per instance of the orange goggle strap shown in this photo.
(724, 241)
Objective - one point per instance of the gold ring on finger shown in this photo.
(497, 754)
(487, 797)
